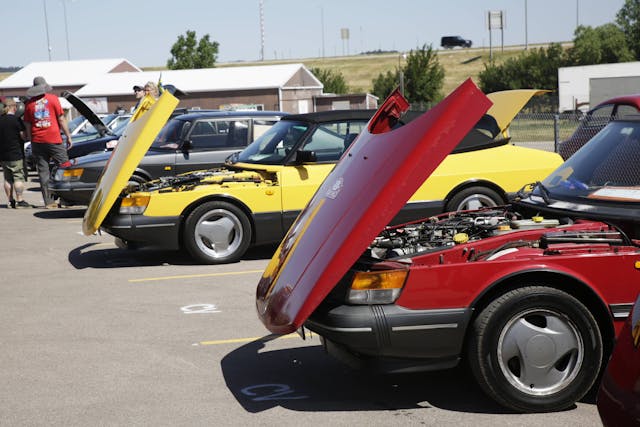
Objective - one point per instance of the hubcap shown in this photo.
(476, 201)
(540, 352)
(218, 233)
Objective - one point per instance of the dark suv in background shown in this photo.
(449, 42)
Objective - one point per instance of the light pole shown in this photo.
(66, 27)
(526, 20)
(46, 27)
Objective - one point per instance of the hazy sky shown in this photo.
(143, 31)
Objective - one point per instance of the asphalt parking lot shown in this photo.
(96, 335)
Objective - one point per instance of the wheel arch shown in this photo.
(558, 280)
(476, 183)
(217, 198)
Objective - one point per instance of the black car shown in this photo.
(191, 141)
(449, 42)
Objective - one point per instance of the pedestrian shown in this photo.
(138, 91)
(44, 119)
(150, 88)
(12, 137)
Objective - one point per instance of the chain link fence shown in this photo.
(543, 130)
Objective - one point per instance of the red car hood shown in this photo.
(370, 184)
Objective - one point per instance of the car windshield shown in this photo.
(170, 136)
(605, 169)
(273, 146)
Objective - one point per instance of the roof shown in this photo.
(64, 73)
(332, 115)
(207, 79)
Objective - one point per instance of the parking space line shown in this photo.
(191, 276)
(243, 340)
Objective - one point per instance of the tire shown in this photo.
(217, 232)
(473, 198)
(535, 349)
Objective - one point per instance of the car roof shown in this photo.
(331, 116)
(631, 99)
(197, 114)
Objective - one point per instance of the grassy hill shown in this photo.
(360, 70)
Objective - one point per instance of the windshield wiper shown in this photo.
(544, 192)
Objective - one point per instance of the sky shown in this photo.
(144, 31)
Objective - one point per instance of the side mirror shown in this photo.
(304, 156)
(186, 145)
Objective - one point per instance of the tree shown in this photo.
(385, 83)
(332, 80)
(423, 76)
(186, 53)
(628, 19)
(534, 69)
(605, 44)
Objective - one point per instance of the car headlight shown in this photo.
(376, 287)
(68, 175)
(134, 205)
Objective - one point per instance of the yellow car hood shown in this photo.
(508, 103)
(131, 147)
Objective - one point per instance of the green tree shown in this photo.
(188, 53)
(628, 19)
(533, 69)
(423, 76)
(385, 83)
(605, 44)
(332, 80)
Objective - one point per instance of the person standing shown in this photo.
(139, 93)
(44, 119)
(12, 136)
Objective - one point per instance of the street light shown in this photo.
(46, 26)
(66, 27)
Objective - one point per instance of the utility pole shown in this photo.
(261, 31)
(46, 26)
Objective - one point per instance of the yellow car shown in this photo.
(218, 214)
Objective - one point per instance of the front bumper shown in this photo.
(163, 232)
(390, 338)
(72, 193)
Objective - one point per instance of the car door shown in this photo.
(211, 141)
(299, 182)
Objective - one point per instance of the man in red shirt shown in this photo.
(43, 119)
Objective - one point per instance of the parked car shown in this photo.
(619, 395)
(449, 42)
(531, 295)
(196, 140)
(217, 214)
(596, 119)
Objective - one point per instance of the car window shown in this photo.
(170, 135)
(623, 110)
(260, 126)
(599, 116)
(606, 167)
(219, 134)
(330, 140)
(274, 145)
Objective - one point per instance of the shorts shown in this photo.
(13, 170)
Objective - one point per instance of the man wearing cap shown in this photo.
(43, 119)
(139, 92)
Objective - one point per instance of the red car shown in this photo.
(596, 119)
(531, 295)
(619, 395)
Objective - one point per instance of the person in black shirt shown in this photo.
(12, 134)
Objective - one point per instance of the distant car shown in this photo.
(218, 214)
(199, 139)
(596, 119)
(449, 42)
(530, 295)
(619, 395)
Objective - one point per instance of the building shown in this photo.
(286, 87)
(588, 85)
(63, 75)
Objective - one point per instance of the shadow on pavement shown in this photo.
(95, 255)
(306, 379)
